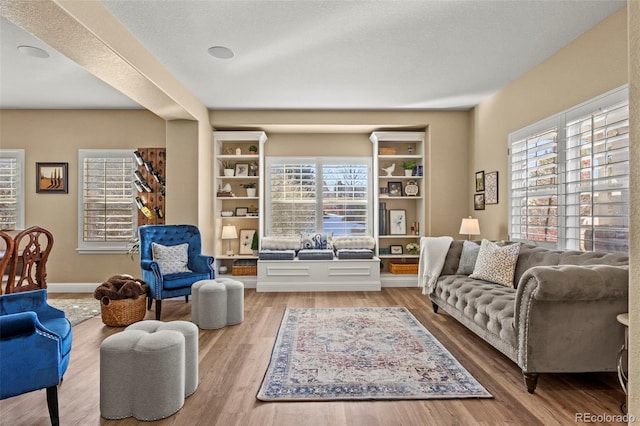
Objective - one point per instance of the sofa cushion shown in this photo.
(496, 264)
(452, 260)
(316, 240)
(468, 258)
(172, 259)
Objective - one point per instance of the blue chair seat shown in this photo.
(182, 279)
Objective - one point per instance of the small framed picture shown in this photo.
(52, 177)
(242, 169)
(242, 211)
(397, 222)
(395, 249)
(246, 239)
(480, 181)
(478, 201)
(394, 189)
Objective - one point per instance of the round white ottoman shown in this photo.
(142, 374)
(190, 333)
(209, 304)
(235, 300)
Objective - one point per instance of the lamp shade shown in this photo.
(229, 232)
(470, 226)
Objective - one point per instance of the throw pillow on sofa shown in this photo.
(496, 264)
(468, 258)
(172, 259)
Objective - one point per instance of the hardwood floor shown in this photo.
(233, 361)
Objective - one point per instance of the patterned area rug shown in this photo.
(77, 310)
(361, 354)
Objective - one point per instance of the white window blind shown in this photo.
(11, 189)
(569, 177)
(108, 220)
(318, 195)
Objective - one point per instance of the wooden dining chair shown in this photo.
(6, 256)
(27, 269)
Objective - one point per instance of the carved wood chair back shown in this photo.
(27, 269)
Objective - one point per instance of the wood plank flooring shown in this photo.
(233, 361)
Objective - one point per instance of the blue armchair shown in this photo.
(35, 347)
(167, 284)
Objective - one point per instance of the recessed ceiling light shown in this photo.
(34, 52)
(221, 52)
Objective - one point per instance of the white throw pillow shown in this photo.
(172, 259)
(496, 264)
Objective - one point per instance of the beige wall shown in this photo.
(331, 133)
(591, 65)
(57, 136)
(634, 299)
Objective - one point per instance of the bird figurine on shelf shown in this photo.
(390, 169)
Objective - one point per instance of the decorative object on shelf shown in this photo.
(229, 233)
(253, 150)
(382, 217)
(227, 167)
(410, 149)
(226, 213)
(395, 249)
(242, 169)
(253, 169)
(408, 167)
(478, 201)
(223, 269)
(389, 169)
(469, 226)
(480, 181)
(246, 240)
(238, 151)
(52, 177)
(228, 151)
(251, 188)
(411, 188)
(255, 243)
(397, 222)
(419, 170)
(386, 151)
(394, 189)
(241, 211)
(491, 188)
(413, 248)
(383, 190)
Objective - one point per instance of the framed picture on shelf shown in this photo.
(480, 181)
(394, 189)
(52, 177)
(246, 239)
(491, 188)
(395, 249)
(478, 202)
(242, 211)
(397, 222)
(242, 169)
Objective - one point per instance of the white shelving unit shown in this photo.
(392, 150)
(226, 146)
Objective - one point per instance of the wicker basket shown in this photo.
(403, 268)
(244, 267)
(386, 151)
(120, 313)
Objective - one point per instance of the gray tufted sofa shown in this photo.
(559, 318)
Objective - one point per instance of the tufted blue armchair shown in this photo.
(164, 286)
(35, 347)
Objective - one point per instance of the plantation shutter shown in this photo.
(597, 178)
(108, 198)
(345, 201)
(292, 198)
(534, 187)
(11, 189)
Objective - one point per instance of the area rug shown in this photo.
(361, 354)
(77, 310)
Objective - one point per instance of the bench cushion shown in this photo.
(277, 254)
(355, 254)
(315, 254)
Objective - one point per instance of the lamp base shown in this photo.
(230, 253)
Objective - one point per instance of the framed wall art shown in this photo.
(242, 169)
(491, 188)
(480, 181)
(478, 201)
(394, 189)
(246, 238)
(52, 177)
(397, 222)
(395, 249)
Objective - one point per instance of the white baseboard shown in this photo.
(72, 287)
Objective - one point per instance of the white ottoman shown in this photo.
(146, 371)
(235, 300)
(209, 304)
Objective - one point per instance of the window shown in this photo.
(106, 200)
(11, 189)
(569, 178)
(318, 195)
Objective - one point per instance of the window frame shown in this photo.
(18, 155)
(103, 247)
(561, 121)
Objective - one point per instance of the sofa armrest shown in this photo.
(202, 263)
(22, 323)
(565, 317)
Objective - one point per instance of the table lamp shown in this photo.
(229, 233)
(470, 226)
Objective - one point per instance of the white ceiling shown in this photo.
(315, 54)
